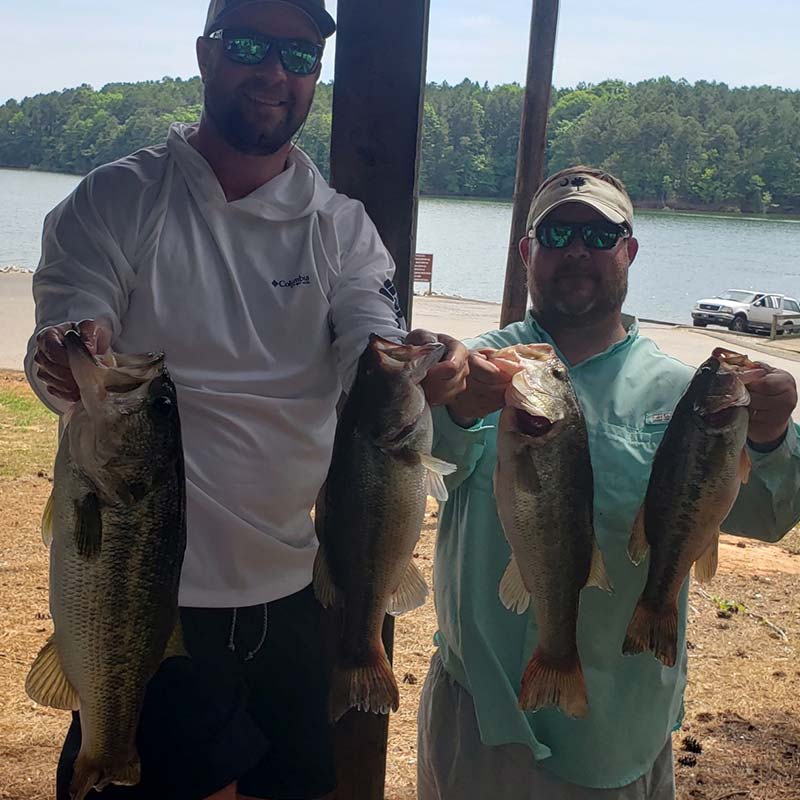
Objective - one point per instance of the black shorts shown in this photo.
(255, 713)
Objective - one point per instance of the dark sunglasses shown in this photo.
(600, 235)
(298, 56)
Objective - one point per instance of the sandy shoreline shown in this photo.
(459, 318)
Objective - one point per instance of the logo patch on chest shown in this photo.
(300, 280)
(657, 417)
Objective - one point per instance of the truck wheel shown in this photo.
(739, 324)
(698, 323)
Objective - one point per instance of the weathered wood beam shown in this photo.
(530, 155)
(378, 96)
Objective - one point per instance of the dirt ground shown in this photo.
(742, 704)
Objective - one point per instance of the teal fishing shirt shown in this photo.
(627, 394)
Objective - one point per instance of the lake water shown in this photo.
(682, 257)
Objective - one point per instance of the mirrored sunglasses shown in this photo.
(298, 56)
(600, 235)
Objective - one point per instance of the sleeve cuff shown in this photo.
(452, 430)
(55, 404)
(453, 437)
(790, 446)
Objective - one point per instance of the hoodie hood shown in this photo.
(298, 191)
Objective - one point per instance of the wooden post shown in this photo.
(378, 95)
(530, 155)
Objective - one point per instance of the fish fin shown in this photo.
(514, 595)
(434, 477)
(324, 587)
(47, 522)
(745, 465)
(90, 774)
(554, 682)
(638, 545)
(47, 684)
(706, 566)
(652, 630)
(371, 687)
(175, 645)
(598, 576)
(89, 526)
(410, 594)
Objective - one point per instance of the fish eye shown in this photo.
(558, 373)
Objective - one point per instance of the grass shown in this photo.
(23, 412)
(727, 608)
(28, 430)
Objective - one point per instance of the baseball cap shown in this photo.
(315, 9)
(581, 187)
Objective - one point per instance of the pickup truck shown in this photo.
(744, 310)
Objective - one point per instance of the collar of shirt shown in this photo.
(630, 323)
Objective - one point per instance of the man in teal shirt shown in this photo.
(474, 742)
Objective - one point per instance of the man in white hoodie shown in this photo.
(226, 249)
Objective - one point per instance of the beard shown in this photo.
(557, 299)
(245, 132)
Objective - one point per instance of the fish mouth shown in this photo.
(416, 359)
(77, 351)
(528, 396)
(510, 360)
(738, 364)
(99, 376)
(727, 389)
(537, 410)
(531, 424)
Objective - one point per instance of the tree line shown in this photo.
(674, 144)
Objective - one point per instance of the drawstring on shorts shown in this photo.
(231, 638)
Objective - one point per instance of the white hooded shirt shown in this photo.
(262, 306)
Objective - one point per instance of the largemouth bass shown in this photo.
(544, 489)
(698, 469)
(380, 475)
(115, 525)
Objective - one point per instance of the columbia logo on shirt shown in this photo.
(390, 293)
(300, 280)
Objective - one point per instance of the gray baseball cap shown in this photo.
(314, 9)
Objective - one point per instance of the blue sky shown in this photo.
(52, 44)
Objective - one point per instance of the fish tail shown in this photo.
(367, 687)
(91, 774)
(653, 630)
(552, 681)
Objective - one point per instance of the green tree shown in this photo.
(673, 143)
